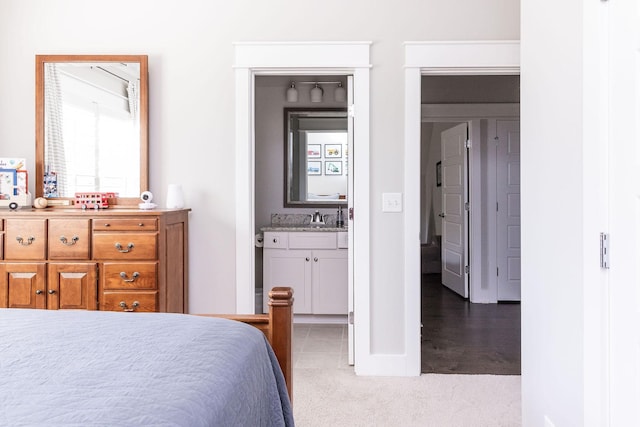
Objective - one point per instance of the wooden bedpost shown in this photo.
(281, 331)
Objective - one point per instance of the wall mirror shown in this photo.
(316, 157)
(92, 125)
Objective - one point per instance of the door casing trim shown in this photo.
(317, 58)
(434, 58)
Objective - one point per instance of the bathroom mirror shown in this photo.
(316, 157)
(92, 126)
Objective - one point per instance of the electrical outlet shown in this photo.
(391, 202)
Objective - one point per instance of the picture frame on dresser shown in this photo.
(8, 183)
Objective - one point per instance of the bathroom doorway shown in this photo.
(272, 168)
(285, 58)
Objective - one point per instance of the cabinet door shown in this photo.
(330, 284)
(288, 268)
(72, 286)
(23, 285)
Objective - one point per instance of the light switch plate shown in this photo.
(391, 202)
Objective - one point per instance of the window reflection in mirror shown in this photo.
(91, 128)
(317, 157)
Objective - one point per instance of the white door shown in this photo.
(508, 209)
(454, 215)
(349, 159)
(624, 212)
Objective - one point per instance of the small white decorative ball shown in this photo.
(40, 203)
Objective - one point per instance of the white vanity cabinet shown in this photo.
(312, 264)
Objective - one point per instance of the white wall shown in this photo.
(562, 323)
(189, 43)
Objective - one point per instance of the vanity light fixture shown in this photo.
(316, 93)
(292, 93)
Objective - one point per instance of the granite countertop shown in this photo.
(301, 222)
(304, 227)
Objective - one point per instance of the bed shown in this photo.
(68, 367)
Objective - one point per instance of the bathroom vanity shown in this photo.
(311, 260)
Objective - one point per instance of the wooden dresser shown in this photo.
(113, 259)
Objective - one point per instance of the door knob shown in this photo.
(51, 291)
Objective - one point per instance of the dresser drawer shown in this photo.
(25, 239)
(129, 301)
(125, 224)
(125, 246)
(138, 275)
(69, 239)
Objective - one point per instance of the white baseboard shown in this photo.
(328, 319)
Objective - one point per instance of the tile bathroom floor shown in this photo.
(320, 346)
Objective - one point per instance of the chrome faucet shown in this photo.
(317, 219)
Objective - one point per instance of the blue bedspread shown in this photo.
(86, 368)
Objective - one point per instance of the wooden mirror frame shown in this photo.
(144, 117)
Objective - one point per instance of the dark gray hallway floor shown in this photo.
(463, 338)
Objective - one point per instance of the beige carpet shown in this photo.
(337, 397)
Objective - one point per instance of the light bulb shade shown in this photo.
(292, 94)
(316, 94)
(340, 94)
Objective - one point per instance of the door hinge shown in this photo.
(351, 213)
(351, 110)
(604, 250)
(351, 317)
(466, 269)
(497, 271)
(467, 143)
(466, 206)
